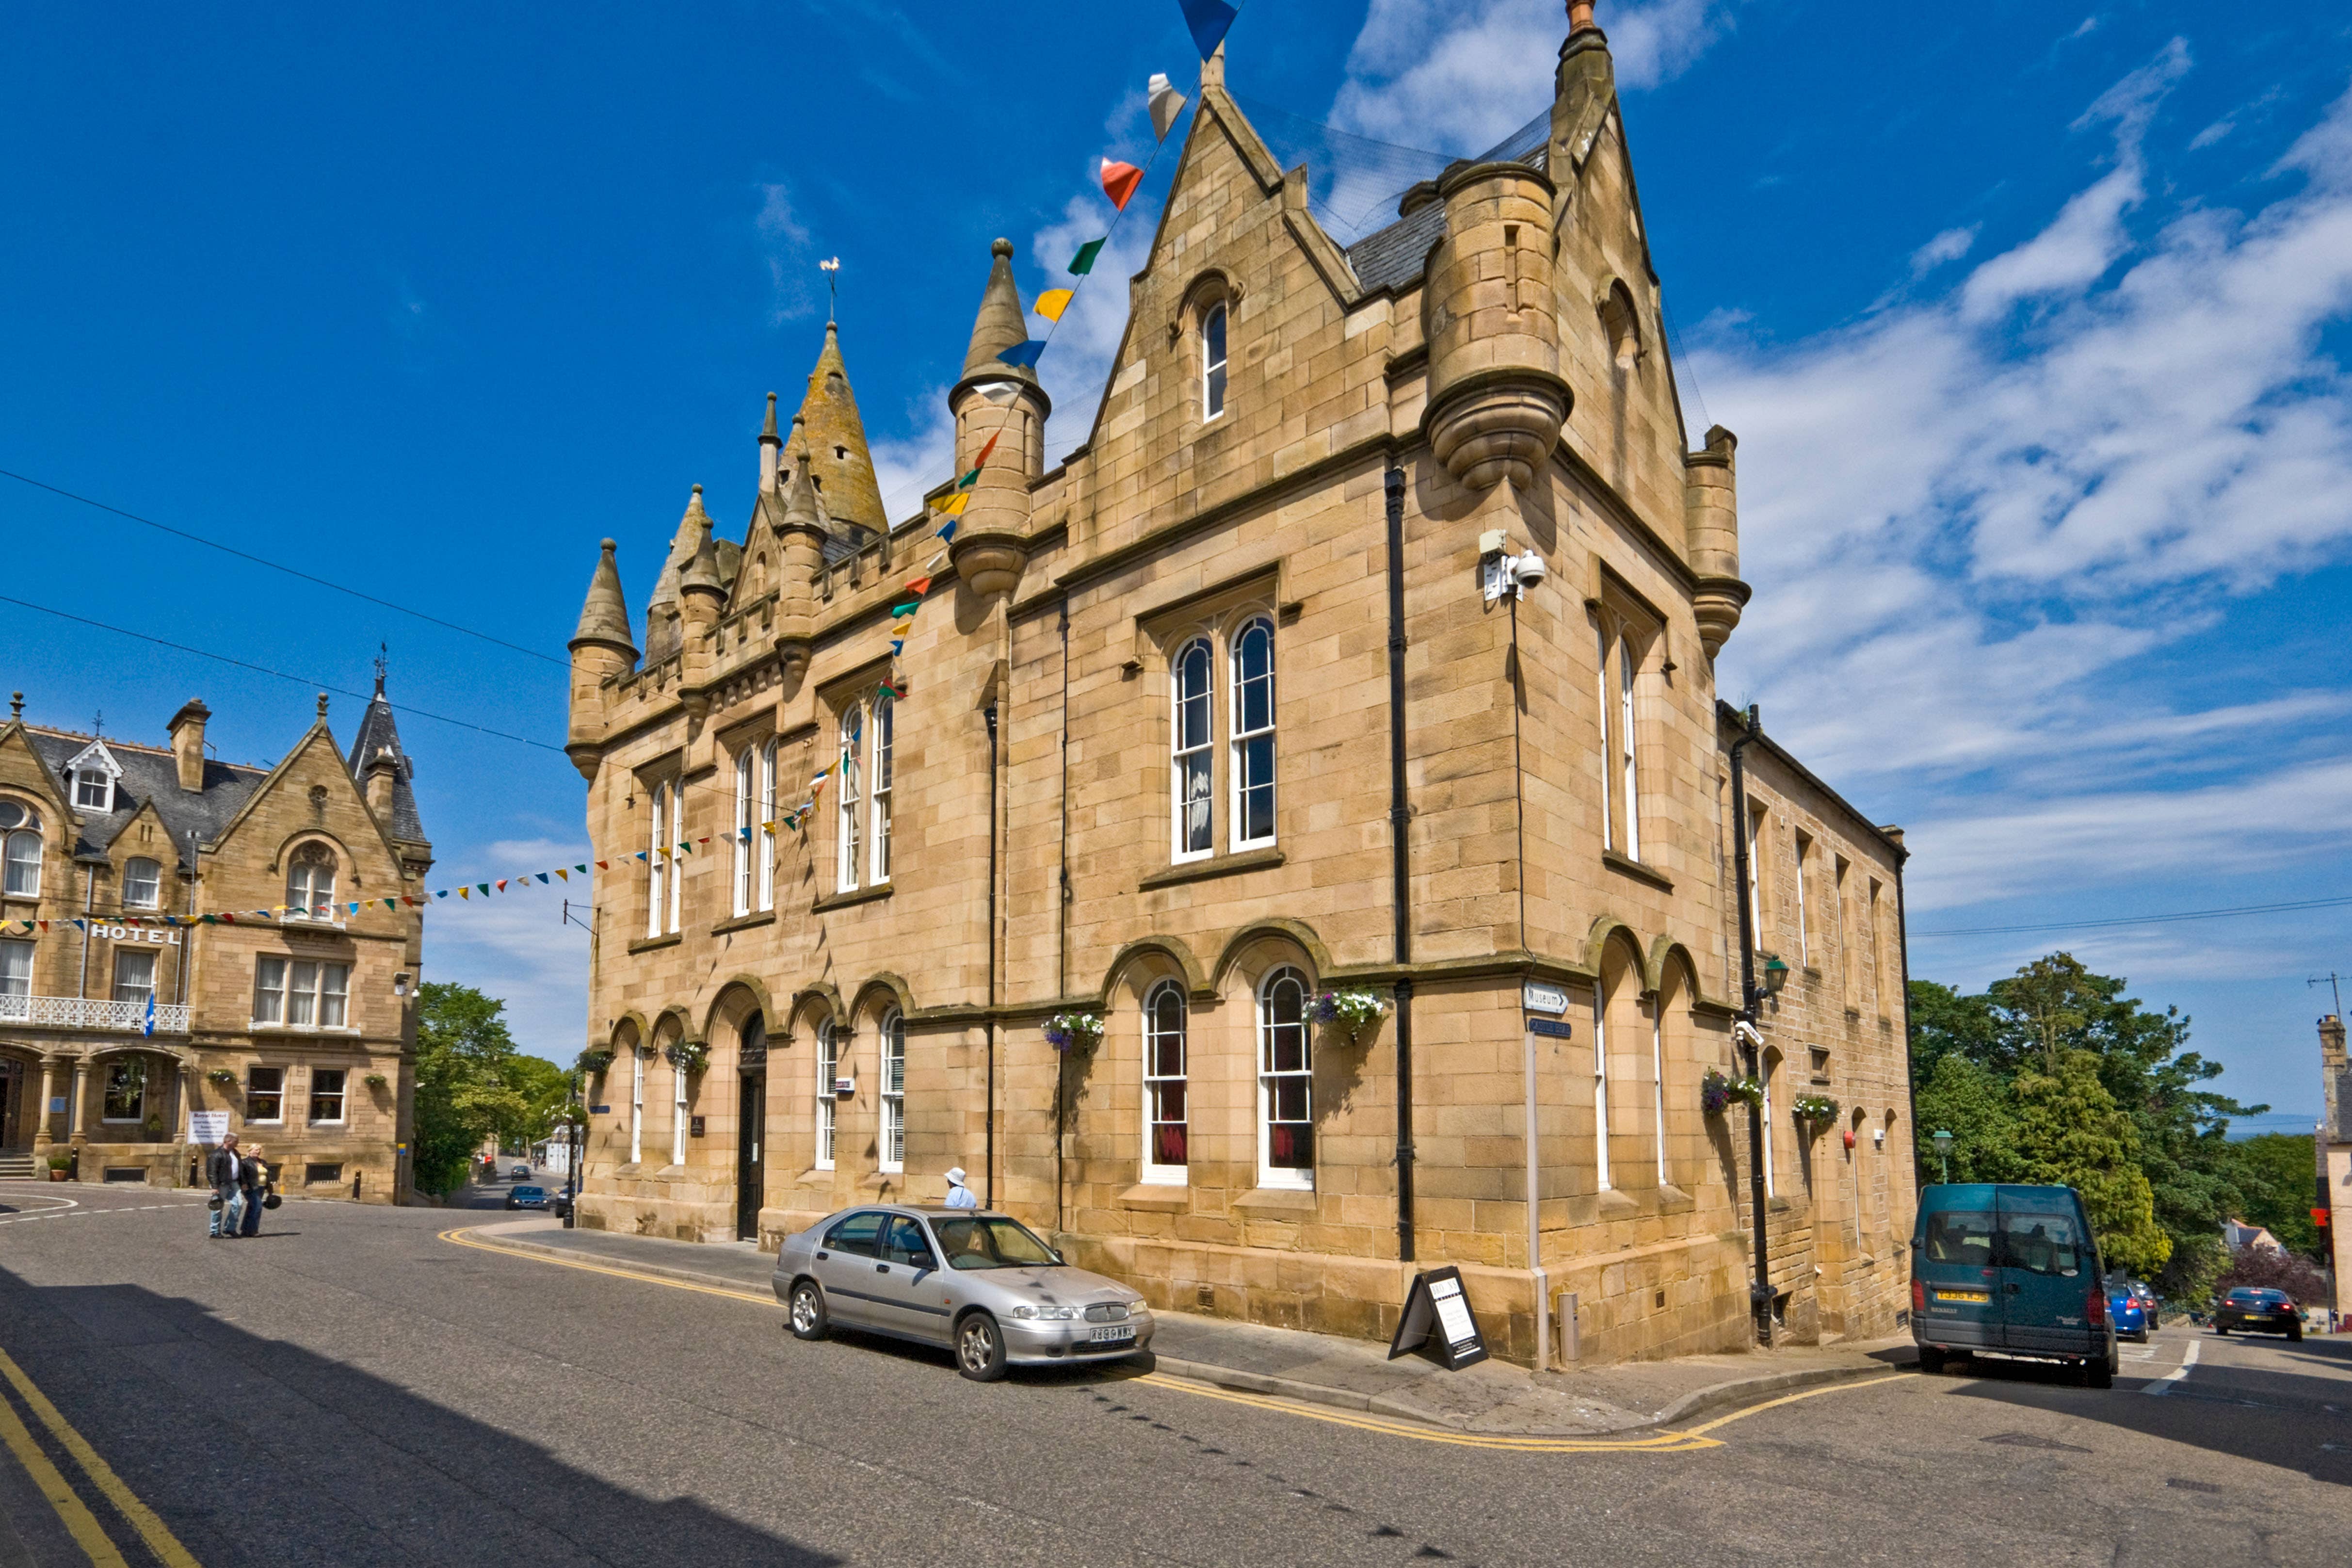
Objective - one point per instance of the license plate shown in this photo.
(1112, 1336)
(1963, 1296)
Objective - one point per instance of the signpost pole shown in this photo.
(1536, 999)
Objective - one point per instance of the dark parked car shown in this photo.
(2009, 1270)
(560, 1205)
(526, 1198)
(520, 1173)
(2252, 1309)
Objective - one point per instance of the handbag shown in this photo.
(272, 1201)
(214, 1203)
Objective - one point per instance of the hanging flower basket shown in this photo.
(377, 1080)
(1814, 1112)
(1353, 1013)
(1717, 1092)
(223, 1076)
(596, 1062)
(1068, 1032)
(688, 1056)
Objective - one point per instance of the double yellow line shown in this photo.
(79, 1522)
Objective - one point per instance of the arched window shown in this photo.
(677, 1123)
(310, 883)
(1658, 1077)
(853, 795)
(1167, 1126)
(894, 1091)
(143, 885)
(742, 836)
(1607, 811)
(1253, 730)
(1213, 361)
(828, 1067)
(656, 862)
(1189, 743)
(768, 827)
(1625, 726)
(1286, 1084)
(637, 1103)
(1599, 1086)
(20, 826)
(879, 788)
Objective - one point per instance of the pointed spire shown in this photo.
(768, 436)
(800, 495)
(1002, 322)
(702, 567)
(604, 617)
(662, 634)
(770, 454)
(830, 441)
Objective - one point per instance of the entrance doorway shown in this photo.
(751, 1127)
(13, 1133)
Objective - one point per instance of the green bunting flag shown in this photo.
(1084, 262)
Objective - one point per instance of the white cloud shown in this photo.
(784, 242)
(1462, 76)
(1078, 367)
(2010, 511)
(1949, 245)
(2210, 134)
(516, 946)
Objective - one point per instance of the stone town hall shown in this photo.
(1215, 716)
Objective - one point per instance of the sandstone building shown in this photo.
(123, 1009)
(1216, 715)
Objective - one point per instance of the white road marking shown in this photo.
(2163, 1385)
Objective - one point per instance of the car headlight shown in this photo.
(1052, 1314)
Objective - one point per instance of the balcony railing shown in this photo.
(92, 1013)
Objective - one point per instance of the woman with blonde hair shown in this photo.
(253, 1182)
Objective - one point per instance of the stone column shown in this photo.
(77, 1108)
(42, 1139)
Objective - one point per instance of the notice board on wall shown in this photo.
(1438, 1321)
(207, 1126)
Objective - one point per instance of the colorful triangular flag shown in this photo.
(1023, 354)
(955, 507)
(1118, 183)
(1083, 261)
(1053, 302)
(1209, 21)
(948, 529)
(1166, 104)
(981, 461)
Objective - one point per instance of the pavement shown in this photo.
(1493, 1396)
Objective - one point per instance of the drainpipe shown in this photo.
(1910, 1078)
(990, 1114)
(1759, 1293)
(1399, 829)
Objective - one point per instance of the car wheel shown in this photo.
(2220, 1331)
(1931, 1361)
(808, 1315)
(2098, 1374)
(2294, 1336)
(980, 1348)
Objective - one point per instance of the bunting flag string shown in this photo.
(1209, 21)
(465, 892)
(1119, 181)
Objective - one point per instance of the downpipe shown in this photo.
(1751, 1041)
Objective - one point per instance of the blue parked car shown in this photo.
(2014, 1271)
(2130, 1317)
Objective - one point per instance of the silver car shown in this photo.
(978, 1282)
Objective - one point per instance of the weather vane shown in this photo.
(831, 268)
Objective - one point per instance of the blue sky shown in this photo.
(2030, 318)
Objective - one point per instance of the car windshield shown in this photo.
(2245, 1296)
(530, 1192)
(991, 1244)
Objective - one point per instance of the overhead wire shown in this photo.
(2144, 920)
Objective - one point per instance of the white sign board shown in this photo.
(1538, 998)
(207, 1126)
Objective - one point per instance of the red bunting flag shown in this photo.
(1119, 181)
(984, 451)
(919, 586)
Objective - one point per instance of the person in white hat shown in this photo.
(958, 1195)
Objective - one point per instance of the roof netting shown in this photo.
(1354, 182)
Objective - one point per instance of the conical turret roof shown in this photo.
(605, 617)
(1002, 320)
(701, 569)
(663, 634)
(830, 443)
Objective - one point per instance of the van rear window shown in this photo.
(1960, 1235)
(2040, 1243)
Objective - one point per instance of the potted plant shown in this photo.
(377, 1080)
(1354, 1012)
(153, 1126)
(1066, 1032)
(1814, 1112)
(594, 1060)
(1717, 1091)
(687, 1056)
(59, 1165)
(225, 1077)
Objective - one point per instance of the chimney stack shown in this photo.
(2331, 1042)
(381, 773)
(187, 731)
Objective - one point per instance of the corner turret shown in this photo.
(999, 410)
(599, 648)
(1711, 535)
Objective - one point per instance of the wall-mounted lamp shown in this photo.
(400, 984)
(1776, 974)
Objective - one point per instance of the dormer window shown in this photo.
(94, 772)
(310, 883)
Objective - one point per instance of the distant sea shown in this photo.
(2273, 1121)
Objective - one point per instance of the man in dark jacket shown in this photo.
(221, 1173)
(253, 1185)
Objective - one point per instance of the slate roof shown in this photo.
(149, 775)
(378, 732)
(1394, 257)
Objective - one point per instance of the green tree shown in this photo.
(1973, 1104)
(2071, 1133)
(472, 1083)
(2279, 1186)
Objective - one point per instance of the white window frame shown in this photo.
(303, 994)
(1216, 361)
(1804, 848)
(676, 1114)
(1658, 1077)
(1601, 1087)
(656, 862)
(1770, 1068)
(881, 729)
(311, 868)
(637, 1106)
(677, 858)
(851, 798)
(1195, 758)
(768, 826)
(133, 880)
(828, 1104)
(22, 853)
(15, 968)
(106, 1091)
(1607, 807)
(1285, 1177)
(1627, 719)
(1756, 838)
(341, 1096)
(741, 838)
(891, 1147)
(254, 1092)
(140, 991)
(1155, 1082)
(1242, 738)
(84, 778)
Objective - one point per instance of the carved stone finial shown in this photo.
(322, 705)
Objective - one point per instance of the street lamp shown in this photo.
(1942, 1143)
(1776, 974)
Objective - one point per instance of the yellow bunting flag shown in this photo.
(1053, 302)
(955, 507)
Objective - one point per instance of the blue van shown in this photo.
(2010, 1270)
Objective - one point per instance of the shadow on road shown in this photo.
(256, 1451)
(2283, 1417)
